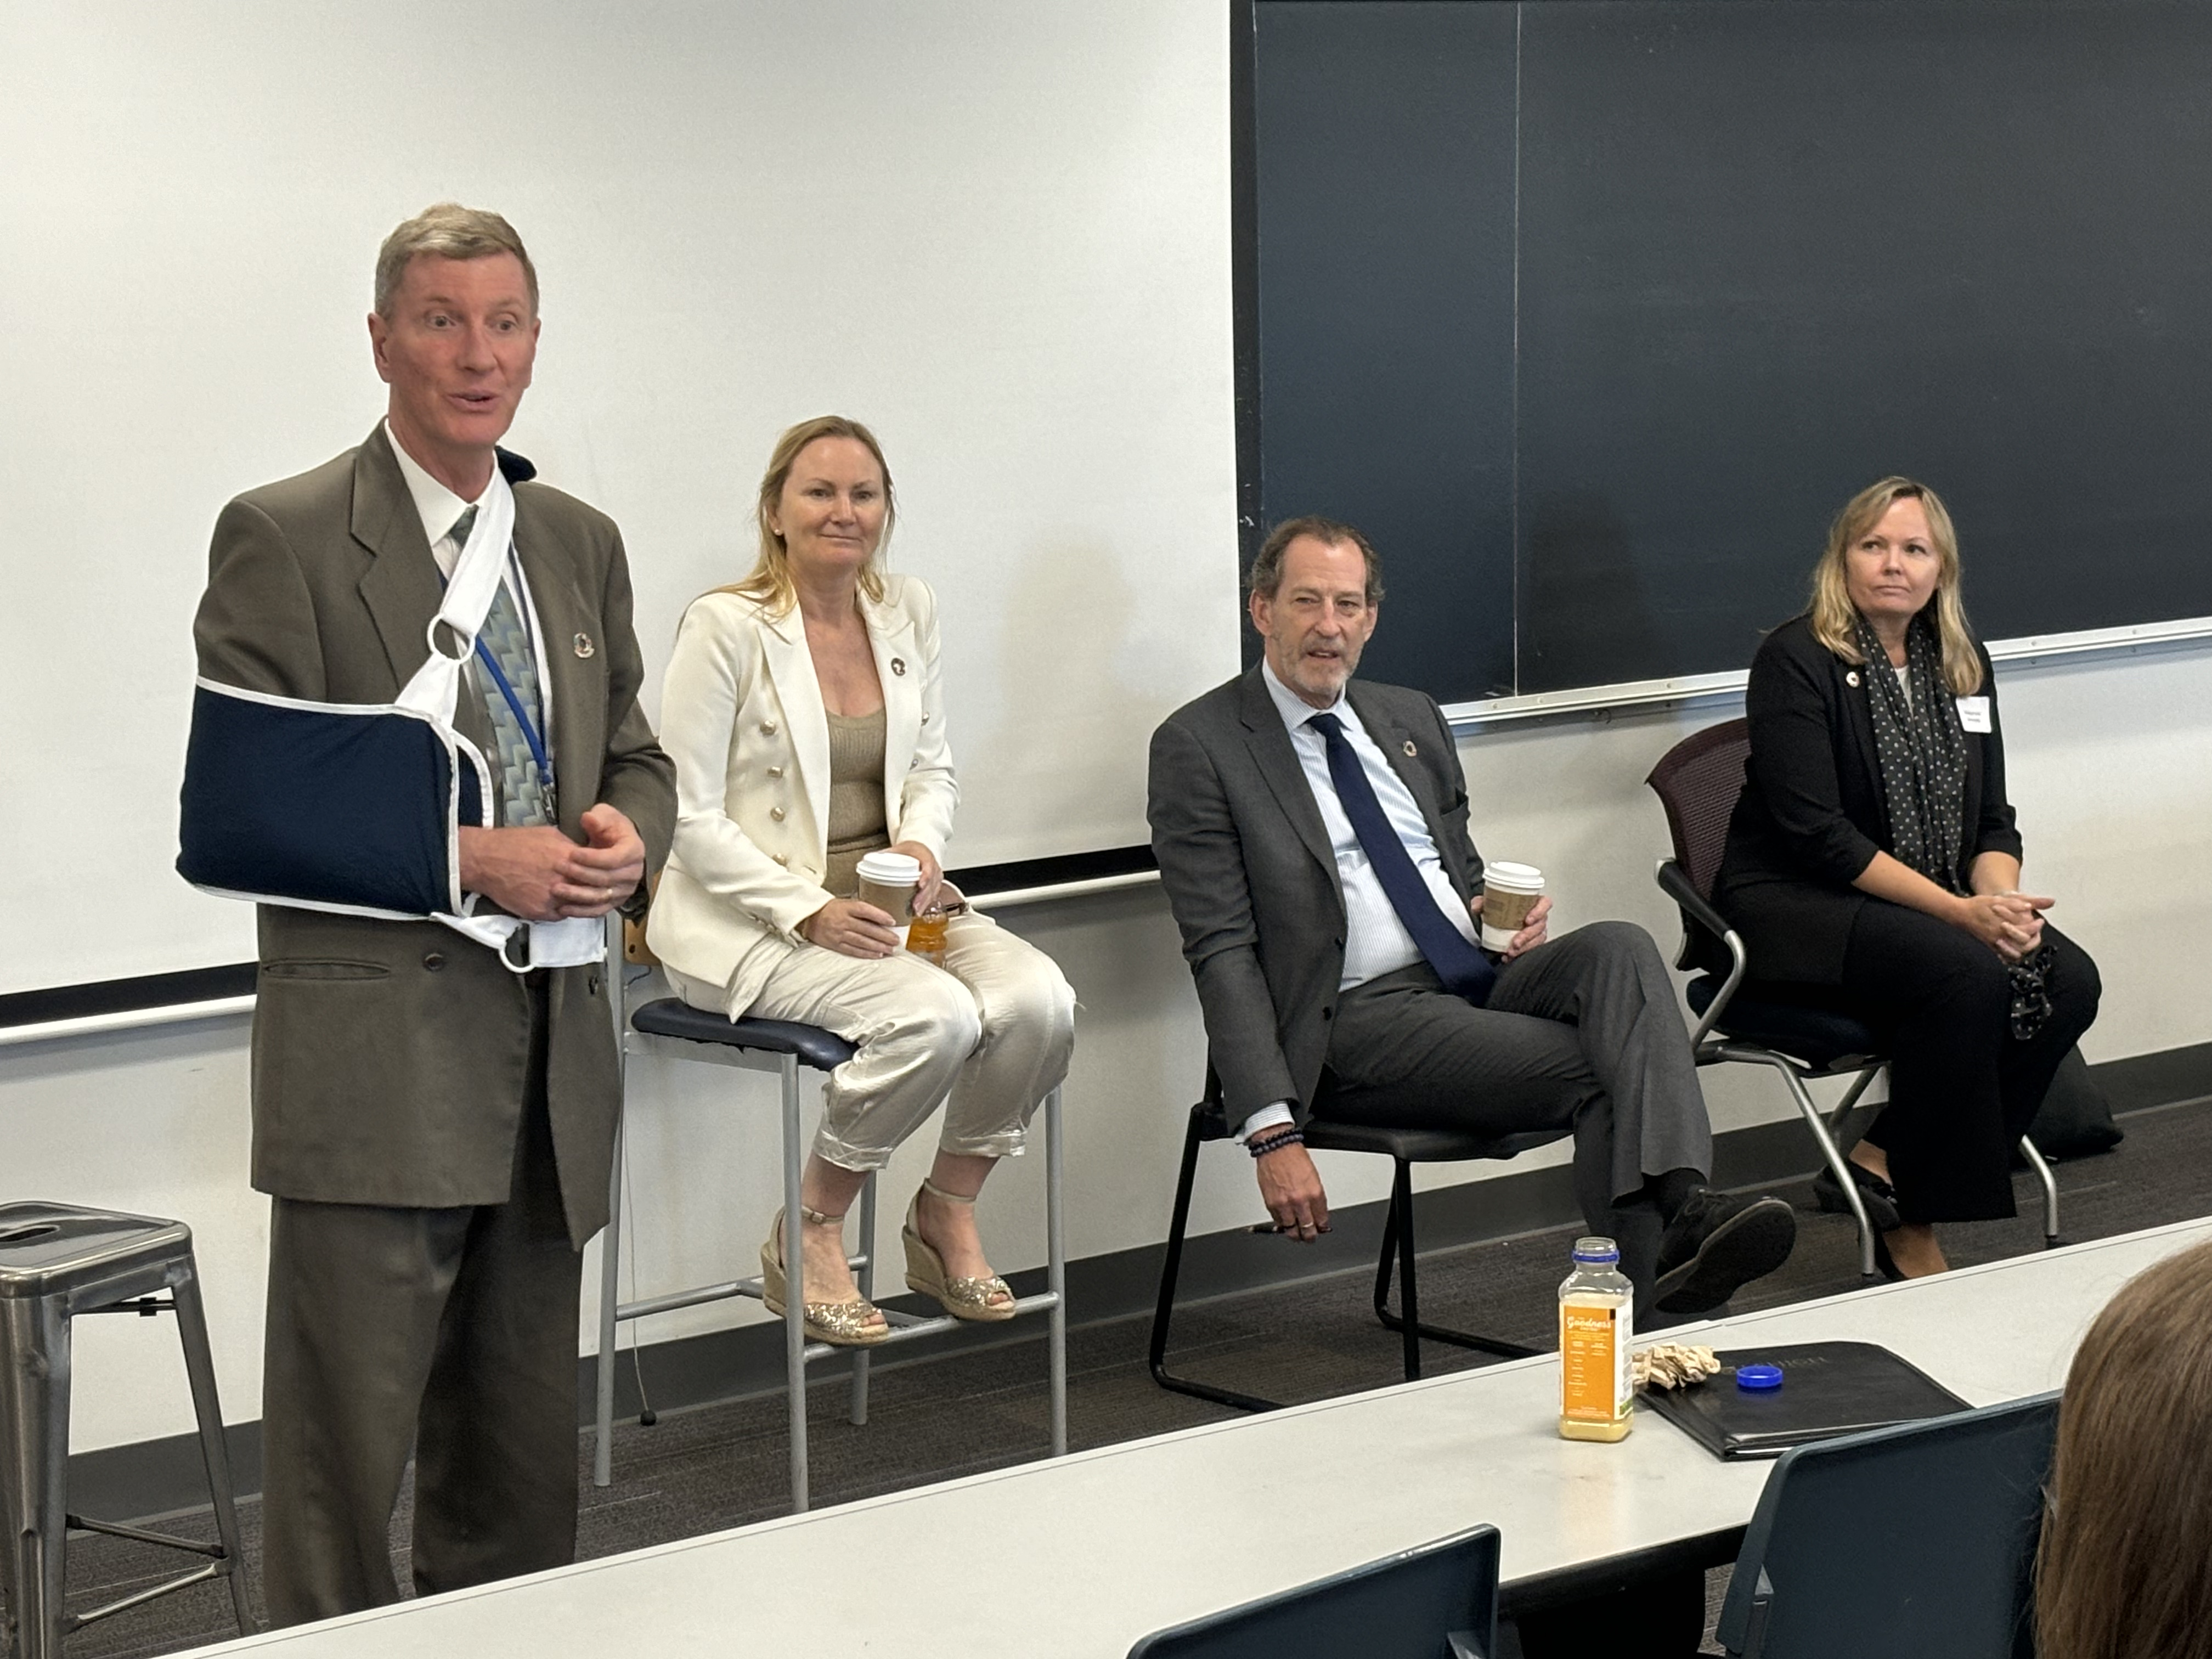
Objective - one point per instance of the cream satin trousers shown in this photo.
(995, 1027)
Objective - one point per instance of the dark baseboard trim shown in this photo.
(157, 1477)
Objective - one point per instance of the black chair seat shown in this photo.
(1408, 1145)
(1821, 1037)
(670, 1016)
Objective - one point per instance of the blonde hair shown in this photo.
(1833, 617)
(449, 231)
(2124, 1569)
(769, 581)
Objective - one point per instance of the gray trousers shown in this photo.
(1581, 1035)
(452, 1331)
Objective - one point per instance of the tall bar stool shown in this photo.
(670, 1027)
(58, 1261)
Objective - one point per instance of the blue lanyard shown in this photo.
(530, 734)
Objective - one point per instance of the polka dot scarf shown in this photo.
(1922, 751)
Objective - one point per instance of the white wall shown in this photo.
(2112, 767)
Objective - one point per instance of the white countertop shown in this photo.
(1084, 1554)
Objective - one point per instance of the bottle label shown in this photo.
(1592, 1367)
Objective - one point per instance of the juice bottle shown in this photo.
(1597, 1394)
(925, 936)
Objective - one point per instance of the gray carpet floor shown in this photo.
(721, 1466)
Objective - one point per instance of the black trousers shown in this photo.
(450, 1332)
(1962, 1089)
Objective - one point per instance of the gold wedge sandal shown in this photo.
(976, 1299)
(855, 1324)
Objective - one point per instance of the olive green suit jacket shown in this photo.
(391, 1058)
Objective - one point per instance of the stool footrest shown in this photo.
(139, 1534)
(213, 1570)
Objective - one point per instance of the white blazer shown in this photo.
(741, 713)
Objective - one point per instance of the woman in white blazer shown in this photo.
(805, 711)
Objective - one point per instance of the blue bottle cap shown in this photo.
(1759, 1379)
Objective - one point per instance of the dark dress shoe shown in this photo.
(1877, 1195)
(1716, 1244)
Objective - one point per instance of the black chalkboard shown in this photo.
(1593, 312)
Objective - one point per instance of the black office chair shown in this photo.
(1405, 1148)
(1698, 781)
(1916, 1540)
(1438, 1602)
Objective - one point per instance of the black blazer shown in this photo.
(1812, 815)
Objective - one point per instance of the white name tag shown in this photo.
(1974, 713)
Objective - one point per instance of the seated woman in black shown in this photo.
(1873, 852)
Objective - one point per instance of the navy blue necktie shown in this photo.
(1464, 969)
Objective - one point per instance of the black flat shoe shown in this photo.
(1884, 1262)
(1877, 1195)
(1716, 1244)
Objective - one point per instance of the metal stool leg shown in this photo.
(2037, 1162)
(35, 1335)
(859, 1387)
(214, 1451)
(1055, 1236)
(794, 1279)
(602, 1472)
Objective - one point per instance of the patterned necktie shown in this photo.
(1464, 969)
(523, 793)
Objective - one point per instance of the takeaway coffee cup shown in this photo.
(1509, 893)
(888, 881)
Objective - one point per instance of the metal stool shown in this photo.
(669, 1026)
(1405, 1148)
(58, 1261)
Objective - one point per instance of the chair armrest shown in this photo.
(1675, 883)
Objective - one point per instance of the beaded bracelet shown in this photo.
(1274, 1142)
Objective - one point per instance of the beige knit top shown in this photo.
(858, 823)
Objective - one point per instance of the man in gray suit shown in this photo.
(1312, 833)
(436, 1130)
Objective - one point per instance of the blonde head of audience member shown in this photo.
(2125, 1567)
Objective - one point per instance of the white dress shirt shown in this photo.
(441, 509)
(1375, 941)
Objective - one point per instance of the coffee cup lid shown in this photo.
(1516, 878)
(889, 869)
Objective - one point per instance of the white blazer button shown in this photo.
(767, 729)
(775, 771)
(780, 859)
(776, 812)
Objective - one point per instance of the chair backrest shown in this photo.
(1438, 1601)
(1919, 1539)
(1698, 781)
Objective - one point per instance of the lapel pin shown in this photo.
(584, 646)
(898, 666)
(1852, 677)
(1410, 750)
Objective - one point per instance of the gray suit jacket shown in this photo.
(390, 1057)
(1253, 881)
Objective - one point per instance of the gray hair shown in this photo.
(448, 231)
(1266, 573)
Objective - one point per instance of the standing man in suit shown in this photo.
(436, 1131)
(1312, 833)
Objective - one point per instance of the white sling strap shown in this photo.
(434, 690)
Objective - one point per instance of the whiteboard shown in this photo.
(997, 233)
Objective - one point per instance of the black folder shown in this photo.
(1828, 1388)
